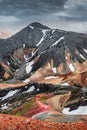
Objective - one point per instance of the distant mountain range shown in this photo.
(38, 46)
(5, 34)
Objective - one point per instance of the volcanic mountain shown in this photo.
(38, 52)
(42, 71)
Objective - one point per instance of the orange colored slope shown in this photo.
(10, 122)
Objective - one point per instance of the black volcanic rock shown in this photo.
(32, 34)
(38, 25)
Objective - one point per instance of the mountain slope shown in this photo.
(38, 47)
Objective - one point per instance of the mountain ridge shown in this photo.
(36, 46)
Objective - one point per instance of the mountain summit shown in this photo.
(38, 25)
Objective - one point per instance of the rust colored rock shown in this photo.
(10, 122)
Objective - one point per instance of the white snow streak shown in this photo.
(82, 110)
(85, 50)
(30, 89)
(26, 80)
(71, 67)
(11, 93)
(65, 84)
(23, 45)
(57, 41)
(82, 56)
(26, 57)
(53, 31)
(54, 70)
(4, 106)
(51, 77)
(31, 27)
(29, 67)
(43, 37)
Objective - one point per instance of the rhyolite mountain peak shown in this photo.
(36, 45)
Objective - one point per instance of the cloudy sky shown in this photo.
(62, 14)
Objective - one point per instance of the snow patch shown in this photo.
(29, 67)
(82, 110)
(26, 86)
(26, 57)
(82, 56)
(71, 67)
(53, 31)
(32, 53)
(65, 84)
(57, 41)
(50, 77)
(8, 63)
(31, 27)
(54, 70)
(23, 45)
(11, 93)
(85, 50)
(26, 80)
(43, 37)
(4, 106)
(32, 88)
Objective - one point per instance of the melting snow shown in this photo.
(26, 80)
(31, 27)
(85, 50)
(4, 106)
(50, 77)
(57, 41)
(29, 67)
(11, 93)
(32, 88)
(82, 110)
(23, 45)
(54, 70)
(71, 67)
(53, 31)
(43, 37)
(32, 53)
(82, 56)
(8, 63)
(26, 57)
(65, 84)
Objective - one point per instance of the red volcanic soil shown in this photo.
(10, 122)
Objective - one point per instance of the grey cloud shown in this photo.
(76, 10)
(73, 19)
(10, 6)
(50, 12)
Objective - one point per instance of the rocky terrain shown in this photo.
(43, 76)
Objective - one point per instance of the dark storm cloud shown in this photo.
(25, 7)
(19, 13)
(75, 10)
